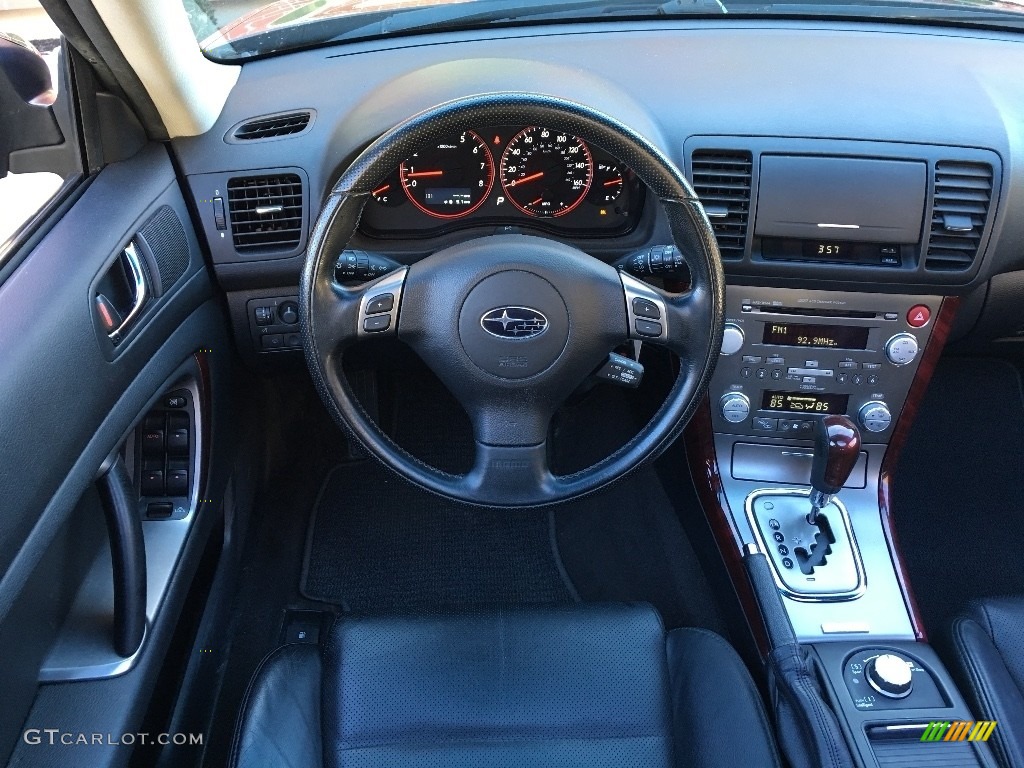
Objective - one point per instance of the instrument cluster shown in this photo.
(528, 176)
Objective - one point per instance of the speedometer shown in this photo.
(546, 173)
(451, 178)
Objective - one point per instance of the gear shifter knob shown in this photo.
(836, 450)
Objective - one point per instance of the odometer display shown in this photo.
(452, 178)
(546, 173)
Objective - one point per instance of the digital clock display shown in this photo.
(804, 402)
(810, 335)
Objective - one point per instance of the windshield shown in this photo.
(231, 29)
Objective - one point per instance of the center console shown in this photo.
(791, 357)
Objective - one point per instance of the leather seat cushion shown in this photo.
(551, 686)
(988, 643)
(591, 686)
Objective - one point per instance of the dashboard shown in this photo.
(527, 176)
(902, 185)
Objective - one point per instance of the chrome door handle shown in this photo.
(140, 292)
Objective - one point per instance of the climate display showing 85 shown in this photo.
(550, 179)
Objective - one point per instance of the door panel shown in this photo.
(69, 398)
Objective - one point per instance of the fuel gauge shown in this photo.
(609, 179)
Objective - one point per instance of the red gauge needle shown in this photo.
(423, 173)
(612, 181)
(525, 179)
(378, 190)
(539, 199)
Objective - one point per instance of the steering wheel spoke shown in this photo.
(510, 474)
(676, 321)
(346, 314)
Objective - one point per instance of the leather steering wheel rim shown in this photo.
(511, 469)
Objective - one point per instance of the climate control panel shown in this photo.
(790, 356)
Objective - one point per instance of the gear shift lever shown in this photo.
(836, 450)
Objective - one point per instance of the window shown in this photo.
(38, 148)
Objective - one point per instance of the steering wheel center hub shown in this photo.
(514, 324)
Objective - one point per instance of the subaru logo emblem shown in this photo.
(514, 322)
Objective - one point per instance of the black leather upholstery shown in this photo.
(717, 712)
(590, 686)
(281, 712)
(988, 644)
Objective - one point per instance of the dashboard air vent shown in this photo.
(272, 126)
(721, 179)
(963, 195)
(266, 212)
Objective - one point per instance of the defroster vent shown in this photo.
(721, 179)
(960, 209)
(266, 212)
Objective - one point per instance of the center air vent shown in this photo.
(721, 179)
(266, 212)
(271, 126)
(963, 196)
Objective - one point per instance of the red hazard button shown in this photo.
(918, 316)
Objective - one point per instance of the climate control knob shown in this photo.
(875, 416)
(890, 675)
(901, 349)
(732, 339)
(735, 407)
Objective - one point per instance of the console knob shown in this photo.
(901, 349)
(875, 416)
(732, 339)
(735, 407)
(890, 675)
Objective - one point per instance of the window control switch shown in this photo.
(152, 482)
(177, 442)
(177, 482)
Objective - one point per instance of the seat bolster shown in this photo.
(987, 683)
(279, 725)
(718, 712)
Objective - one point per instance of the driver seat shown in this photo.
(594, 686)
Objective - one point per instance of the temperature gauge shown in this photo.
(389, 192)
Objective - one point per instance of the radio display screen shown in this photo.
(804, 402)
(811, 335)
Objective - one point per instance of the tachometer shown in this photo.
(451, 178)
(545, 172)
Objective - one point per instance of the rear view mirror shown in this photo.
(26, 70)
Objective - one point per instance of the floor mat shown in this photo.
(958, 489)
(378, 543)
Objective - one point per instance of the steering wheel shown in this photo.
(512, 324)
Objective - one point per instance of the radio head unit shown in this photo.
(790, 356)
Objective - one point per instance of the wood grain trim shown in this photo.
(700, 453)
(925, 370)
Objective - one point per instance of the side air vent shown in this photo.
(721, 179)
(963, 197)
(271, 126)
(266, 212)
